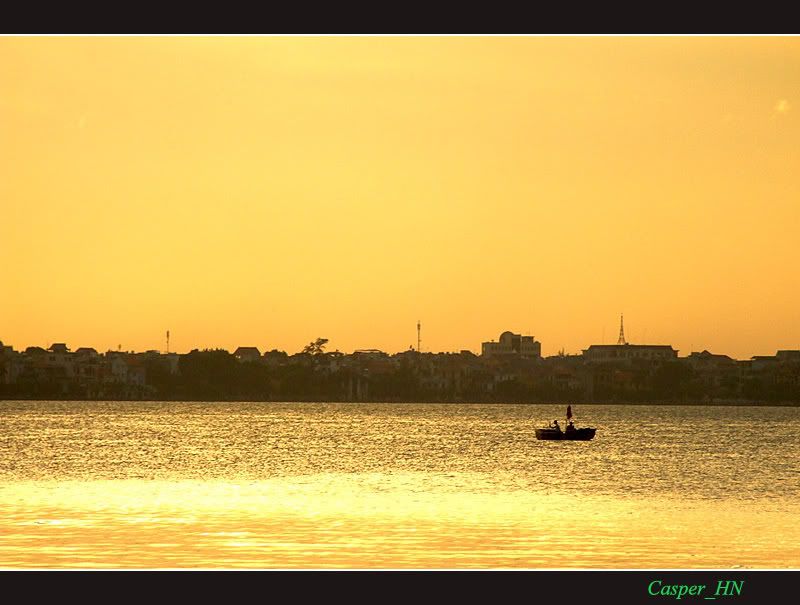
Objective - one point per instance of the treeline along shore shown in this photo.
(607, 374)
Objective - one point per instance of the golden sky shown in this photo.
(264, 191)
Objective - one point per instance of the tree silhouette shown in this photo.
(316, 347)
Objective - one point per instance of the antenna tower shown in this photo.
(419, 338)
(167, 341)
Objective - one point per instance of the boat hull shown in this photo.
(585, 434)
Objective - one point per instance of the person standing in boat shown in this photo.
(570, 425)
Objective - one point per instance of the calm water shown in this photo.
(239, 485)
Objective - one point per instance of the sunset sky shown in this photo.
(264, 191)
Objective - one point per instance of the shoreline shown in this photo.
(727, 403)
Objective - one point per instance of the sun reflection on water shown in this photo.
(388, 487)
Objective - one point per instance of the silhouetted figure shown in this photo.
(570, 427)
(556, 426)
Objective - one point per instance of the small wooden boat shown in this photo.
(554, 432)
(549, 433)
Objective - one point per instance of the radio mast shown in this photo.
(621, 340)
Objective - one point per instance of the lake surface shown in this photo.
(424, 486)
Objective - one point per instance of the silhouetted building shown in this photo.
(370, 354)
(759, 362)
(247, 354)
(718, 374)
(705, 357)
(628, 352)
(512, 344)
(86, 352)
(173, 362)
(274, 358)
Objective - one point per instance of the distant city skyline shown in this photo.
(297, 344)
(510, 369)
(269, 190)
(481, 349)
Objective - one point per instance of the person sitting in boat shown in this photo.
(571, 427)
(556, 426)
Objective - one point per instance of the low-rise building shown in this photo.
(628, 352)
(247, 354)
